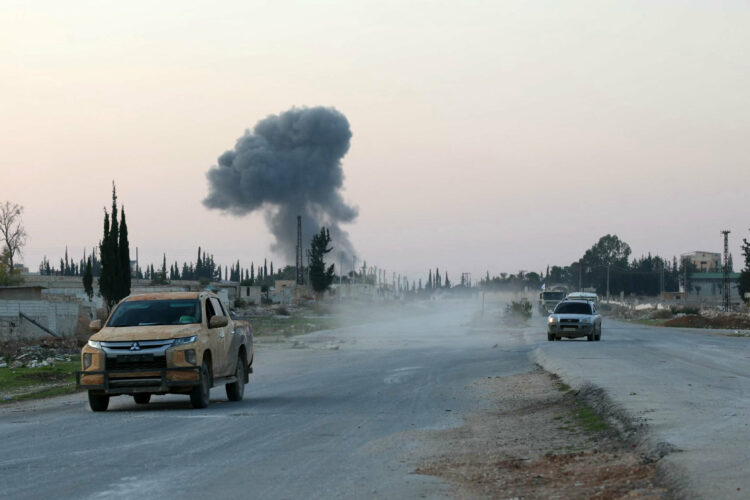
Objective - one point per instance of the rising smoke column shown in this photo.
(289, 165)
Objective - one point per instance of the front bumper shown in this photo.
(132, 381)
(576, 330)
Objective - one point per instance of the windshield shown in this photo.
(573, 308)
(156, 312)
(553, 295)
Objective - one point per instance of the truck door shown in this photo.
(218, 338)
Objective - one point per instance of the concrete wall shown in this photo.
(33, 292)
(60, 317)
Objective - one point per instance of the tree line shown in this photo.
(607, 266)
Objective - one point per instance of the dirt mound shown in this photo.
(729, 321)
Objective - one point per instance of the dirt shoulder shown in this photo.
(538, 440)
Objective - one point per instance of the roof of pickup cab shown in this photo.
(164, 296)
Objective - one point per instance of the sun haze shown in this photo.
(484, 135)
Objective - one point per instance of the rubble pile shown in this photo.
(34, 356)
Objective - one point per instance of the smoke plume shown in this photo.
(289, 165)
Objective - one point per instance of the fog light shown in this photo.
(86, 360)
(190, 356)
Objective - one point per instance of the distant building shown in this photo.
(705, 262)
(21, 268)
(709, 287)
(279, 284)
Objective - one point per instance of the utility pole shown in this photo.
(608, 266)
(298, 263)
(580, 275)
(726, 288)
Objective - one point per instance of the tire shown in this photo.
(200, 395)
(98, 402)
(236, 390)
(142, 398)
(598, 333)
(550, 337)
(590, 338)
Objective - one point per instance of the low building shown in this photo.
(279, 284)
(709, 287)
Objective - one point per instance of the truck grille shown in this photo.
(132, 363)
(569, 321)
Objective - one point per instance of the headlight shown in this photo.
(185, 340)
(190, 356)
(551, 320)
(585, 320)
(95, 344)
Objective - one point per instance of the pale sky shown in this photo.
(499, 135)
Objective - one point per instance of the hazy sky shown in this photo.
(499, 135)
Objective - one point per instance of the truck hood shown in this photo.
(150, 332)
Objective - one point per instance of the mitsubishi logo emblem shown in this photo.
(135, 347)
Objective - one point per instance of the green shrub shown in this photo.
(661, 314)
(690, 310)
(518, 310)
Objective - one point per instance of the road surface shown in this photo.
(340, 414)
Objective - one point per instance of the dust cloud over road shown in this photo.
(354, 411)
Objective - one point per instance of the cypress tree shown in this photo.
(105, 277)
(320, 276)
(123, 248)
(88, 279)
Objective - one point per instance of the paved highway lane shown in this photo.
(335, 417)
(691, 387)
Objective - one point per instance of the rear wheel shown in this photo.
(236, 390)
(142, 398)
(200, 395)
(98, 402)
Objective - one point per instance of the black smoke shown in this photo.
(289, 165)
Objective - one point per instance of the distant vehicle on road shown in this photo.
(549, 298)
(591, 297)
(183, 343)
(574, 319)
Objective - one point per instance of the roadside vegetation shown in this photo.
(517, 311)
(52, 377)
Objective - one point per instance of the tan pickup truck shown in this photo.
(159, 343)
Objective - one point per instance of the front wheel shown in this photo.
(142, 398)
(236, 390)
(598, 333)
(98, 402)
(200, 395)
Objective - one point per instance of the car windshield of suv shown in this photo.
(156, 312)
(553, 295)
(573, 308)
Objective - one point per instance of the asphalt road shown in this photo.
(338, 416)
(690, 387)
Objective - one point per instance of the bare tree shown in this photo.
(13, 232)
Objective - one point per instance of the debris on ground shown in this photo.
(538, 440)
